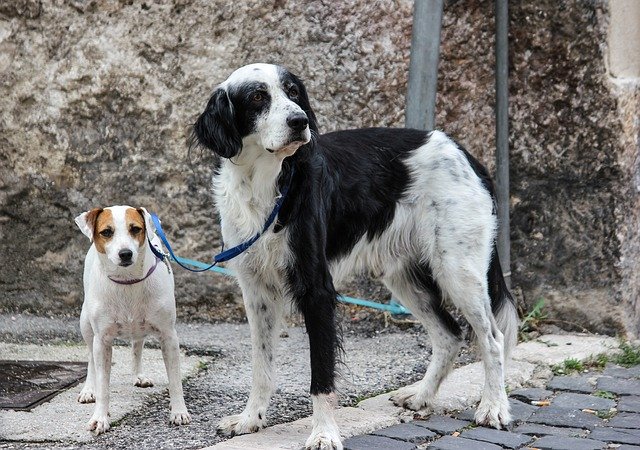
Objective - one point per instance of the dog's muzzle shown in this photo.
(298, 121)
(126, 257)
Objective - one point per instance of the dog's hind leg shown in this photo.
(465, 284)
(136, 355)
(263, 304)
(415, 288)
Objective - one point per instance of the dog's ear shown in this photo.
(149, 227)
(87, 222)
(216, 129)
(303, 101)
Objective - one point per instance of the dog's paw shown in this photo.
(324, 438)
(143, 382)
(86, 396)
(410, 397)
(179, 417)
(493, 413)
(98, 424)
(241, 424)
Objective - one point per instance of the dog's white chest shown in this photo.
(134, 328)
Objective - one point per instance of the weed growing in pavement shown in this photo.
(605, 394)
(568, 366)
(630, 355)
(596, 362)
(532, 320)
(606, 413)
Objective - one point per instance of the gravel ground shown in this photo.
(377, 359)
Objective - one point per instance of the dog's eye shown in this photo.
(106, 233)
(135, 230)
(293, 92)
(258, 97)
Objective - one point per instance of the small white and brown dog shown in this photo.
(128, 293)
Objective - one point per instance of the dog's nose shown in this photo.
(297, 121)
(125, 255)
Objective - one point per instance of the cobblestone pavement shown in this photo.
(594, 410)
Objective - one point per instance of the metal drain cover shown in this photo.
(26, 384)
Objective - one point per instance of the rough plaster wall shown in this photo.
(96, 99)
(567, 182)
(628, 92)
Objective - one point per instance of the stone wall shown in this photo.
(96, 98)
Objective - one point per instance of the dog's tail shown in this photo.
(502, 304)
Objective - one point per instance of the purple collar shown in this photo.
(137, 280)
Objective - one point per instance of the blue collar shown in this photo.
(232, 252)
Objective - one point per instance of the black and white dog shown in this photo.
(411, 208)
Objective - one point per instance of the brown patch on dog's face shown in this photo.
(134, 219)
(103, 230)
(91, 218)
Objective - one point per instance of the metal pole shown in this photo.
(423, 66)
(502, 135)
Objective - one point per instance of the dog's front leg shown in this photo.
(263, 305)
(99, 422)
(171, 356)
(318, 308)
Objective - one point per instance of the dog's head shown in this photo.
(262, 101)
(118, 232)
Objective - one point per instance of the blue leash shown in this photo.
(392, 307)
(227, 254)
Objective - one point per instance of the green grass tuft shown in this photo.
(597, 362)
(605, 394)
(630, 355)
(568, 366)
(532, 320)
(606, 414)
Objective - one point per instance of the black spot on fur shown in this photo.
(422, 276)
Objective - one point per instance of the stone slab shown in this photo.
(368, 442)
(467, 414)
(530, 394)
(502, 438)
(457, 443)
(408, 432)
(615, 371)
(567, 443)
(617, 435)
(520, 411)
(625, 420)
(563, 417)
(582, 401)
(630, 403)
(619, 386)
(628, 447)
(580, 384)
(534, 429)
(36, 425)
(553, 349)
(442, 424)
